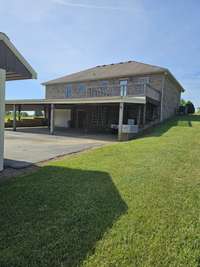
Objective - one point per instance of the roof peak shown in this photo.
(127, 62)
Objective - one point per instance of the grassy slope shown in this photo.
(130, 204)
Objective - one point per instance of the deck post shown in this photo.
(49, 116)
(52, 119)
(14, 118)
(144, 115)
(45, 112)
(2, 114)
(19, 112)
(139, 115)
(120, 124)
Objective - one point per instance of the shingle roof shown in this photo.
(121, 69)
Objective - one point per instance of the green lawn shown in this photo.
(129, 204)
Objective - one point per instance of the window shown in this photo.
(140, 84)
(142, 80)
(123, 87)
(68, 91)
(81, 89)
(103, 88)
(104, 83)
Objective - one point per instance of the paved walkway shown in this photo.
(28, 146)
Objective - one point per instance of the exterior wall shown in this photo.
(171, 98)
(135, 87)
(62, 117)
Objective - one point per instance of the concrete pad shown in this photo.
(29, 146)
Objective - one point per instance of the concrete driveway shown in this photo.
(28, 146)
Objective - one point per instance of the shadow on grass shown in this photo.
(56, 216)
(181, 121)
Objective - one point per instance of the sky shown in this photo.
(59, 37)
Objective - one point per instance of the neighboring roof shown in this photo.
(13, 62)
(121, 69)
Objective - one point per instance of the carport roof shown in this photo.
(93, 100)
(11, 60)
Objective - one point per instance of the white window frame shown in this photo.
(81, 89)
(67, 90)
(123, 83)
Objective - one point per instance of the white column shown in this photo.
(2, 114)
(52, 119)
(120, 125)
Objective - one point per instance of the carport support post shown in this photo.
(120, 125)
(14, 117)
(139, 115)
(2, 114)
(19, 112)
(144, 115)
(52, 119)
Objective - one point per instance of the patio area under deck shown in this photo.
(90, 114)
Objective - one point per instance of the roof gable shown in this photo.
(122, 69)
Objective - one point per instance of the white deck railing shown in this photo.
(132, 90)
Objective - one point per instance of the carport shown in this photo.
(89, 114)
(13, 66)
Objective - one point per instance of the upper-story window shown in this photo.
(68, 90)
(81, 89)
(142, 80)
(140, 84)
(104, 83)
(123, 87)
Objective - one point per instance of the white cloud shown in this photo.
(90, 6)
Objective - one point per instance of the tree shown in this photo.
(183, 102)
(24, 114)
(38, 113)
(190, 107)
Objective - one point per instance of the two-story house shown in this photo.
(126, 97)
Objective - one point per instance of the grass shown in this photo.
(129, 204)
(10, 117)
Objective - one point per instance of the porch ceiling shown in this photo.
(15, 65)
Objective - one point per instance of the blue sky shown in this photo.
(59, 37)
